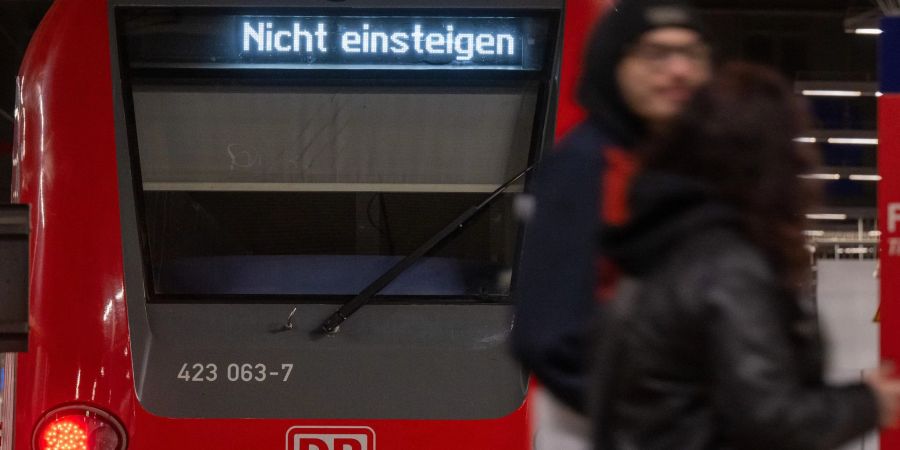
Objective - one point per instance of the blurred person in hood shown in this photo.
(644, 61)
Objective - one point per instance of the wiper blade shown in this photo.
(332, 324)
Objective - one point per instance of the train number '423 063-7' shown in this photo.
(234, 372)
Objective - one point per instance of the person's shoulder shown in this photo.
(722, 243)
(717, 256)
(580, 151)
(587, 140)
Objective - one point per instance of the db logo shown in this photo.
(330, 438)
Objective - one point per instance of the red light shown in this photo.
(66, 434)
(79, 428)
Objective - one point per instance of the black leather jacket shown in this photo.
(701, 349)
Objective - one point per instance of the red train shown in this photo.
(236, 217)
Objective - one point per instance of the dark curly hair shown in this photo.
(737, 136)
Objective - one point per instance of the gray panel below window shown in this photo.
(430, 362)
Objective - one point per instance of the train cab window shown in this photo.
(272, 189)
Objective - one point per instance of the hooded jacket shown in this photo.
(701, 349)
(557, 272)
(578, 188)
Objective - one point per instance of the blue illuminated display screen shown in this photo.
(341, 42)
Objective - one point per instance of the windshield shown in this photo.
(266, 190)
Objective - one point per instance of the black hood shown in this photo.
(622, 26)
(666, 209)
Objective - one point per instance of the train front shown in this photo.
(290, 226)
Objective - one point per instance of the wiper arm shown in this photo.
(334, 321)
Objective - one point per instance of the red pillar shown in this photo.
(889, 201)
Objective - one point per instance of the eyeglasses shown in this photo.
(659, 54)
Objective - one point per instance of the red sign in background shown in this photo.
(889, 223)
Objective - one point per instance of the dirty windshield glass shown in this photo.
(264, 190)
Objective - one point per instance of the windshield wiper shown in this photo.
(332, 324)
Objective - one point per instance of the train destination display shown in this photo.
(262, 38)
(341, 42)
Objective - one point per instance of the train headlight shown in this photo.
(79, 428)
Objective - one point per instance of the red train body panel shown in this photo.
(80, 352)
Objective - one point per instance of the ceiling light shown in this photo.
(853, 141)
(871, 31)
(821, 176)
(826, 216)
(828, 93)
(806, 140)
(865, 177)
